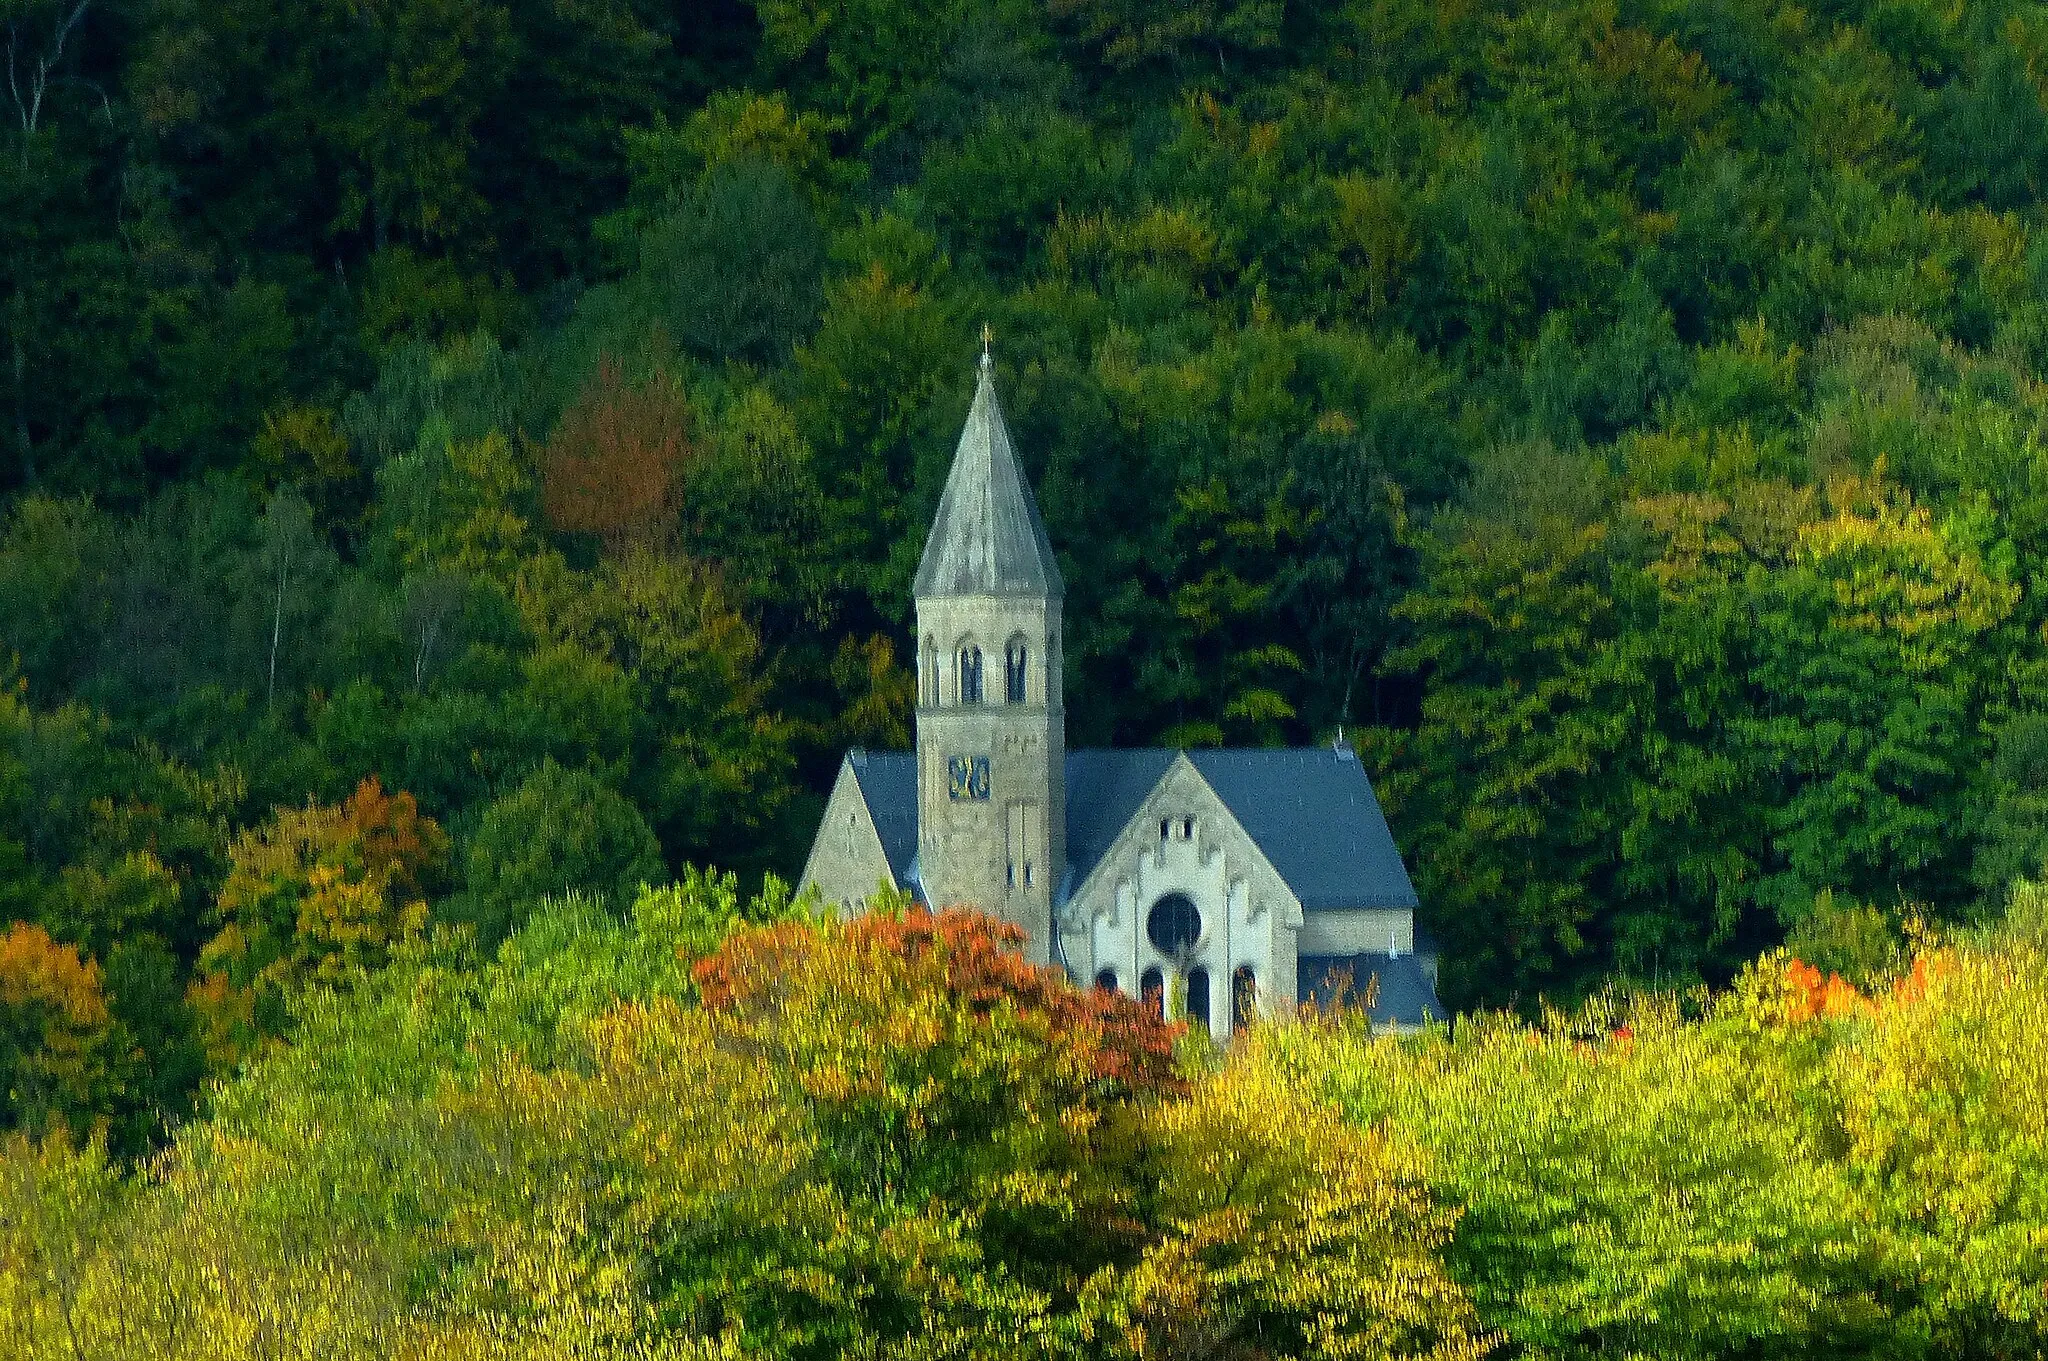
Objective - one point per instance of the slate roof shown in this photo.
(987, 537)
(888, 781)
(1404, 995)
(1311, 810)
(1313, 813)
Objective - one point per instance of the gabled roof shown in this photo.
(1400, 992)
(1311, 810)
(888, 782)
(1104, 791)
(987, 538)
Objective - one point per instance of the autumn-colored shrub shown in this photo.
(1806, 1169)
(1282, 1231)
(886, 1138)
(719, 1128)
(975, 958)
(315, 893)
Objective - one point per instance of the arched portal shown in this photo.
(1152, 991)
(1198, 997)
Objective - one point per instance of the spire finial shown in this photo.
(988, 338)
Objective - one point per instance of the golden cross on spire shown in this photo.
(988, 338)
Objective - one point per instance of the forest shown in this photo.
(462, 463)
(710, 1127)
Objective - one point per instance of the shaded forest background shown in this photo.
(454, 451)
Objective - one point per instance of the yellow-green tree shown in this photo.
(314, 894)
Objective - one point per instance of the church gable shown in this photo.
(1183, 808)
(848, 859)
(1182, 851)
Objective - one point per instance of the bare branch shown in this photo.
(31, 110)
(13, 88)
(106, 104)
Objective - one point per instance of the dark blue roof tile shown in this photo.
(1313, 813)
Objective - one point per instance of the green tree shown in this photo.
(560, 830)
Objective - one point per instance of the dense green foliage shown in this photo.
(894, 1138)
(1623, 418)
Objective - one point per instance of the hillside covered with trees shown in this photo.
(671, 1134)
(457, 452)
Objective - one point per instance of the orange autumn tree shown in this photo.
(315, 893)
(956, 1104)
(977, 960)
(614, 466)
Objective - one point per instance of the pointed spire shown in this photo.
(987, 538)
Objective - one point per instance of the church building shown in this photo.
(1225, 883)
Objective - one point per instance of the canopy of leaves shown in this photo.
(893, 1138)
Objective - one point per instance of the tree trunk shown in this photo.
(277, 626)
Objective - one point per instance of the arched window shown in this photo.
(1198, 997)
(1013, 671)
(1152, 991)
(1173, 925)
(1187, 829)
(931, 672)
(970, 674)
(1244, 997)
(1106, 980)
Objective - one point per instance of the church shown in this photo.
(1222, 884)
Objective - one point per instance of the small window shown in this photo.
(1027, 874)
(1152, 991)
(1106, 980)
(1187, 829)
(1244, 997)
(1163, 825)
(1013, 672)
(1011, 874)
(931, 672)
(970, 674)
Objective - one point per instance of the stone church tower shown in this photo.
(991, 726)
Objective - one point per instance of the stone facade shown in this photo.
(847, 852)
(1003, 846)
(1183, 843)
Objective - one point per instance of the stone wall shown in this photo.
(1358, 931)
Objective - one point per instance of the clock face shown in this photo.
(967, 777)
